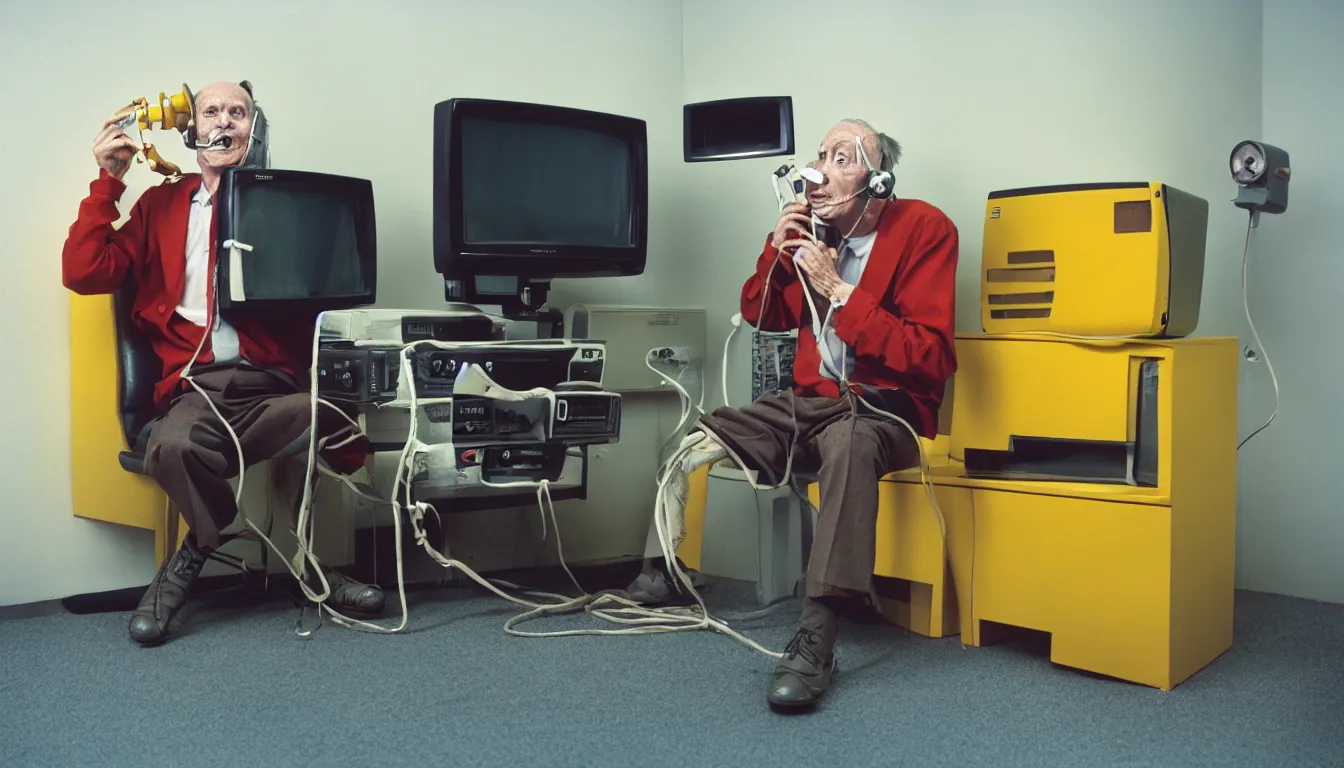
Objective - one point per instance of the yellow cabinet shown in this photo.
(1132, 578)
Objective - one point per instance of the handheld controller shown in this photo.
(788, 183)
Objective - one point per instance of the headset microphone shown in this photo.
(222, 141)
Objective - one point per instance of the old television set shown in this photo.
(737, 129)
(290, 241)
(525, 193)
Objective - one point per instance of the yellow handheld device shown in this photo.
(177, 112)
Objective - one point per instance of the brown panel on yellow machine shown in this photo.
(1113, 259)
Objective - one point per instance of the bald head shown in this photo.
(225, 90)
(883, 151)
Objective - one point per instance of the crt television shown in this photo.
(737, 129)
(294, 242)
(524, 193)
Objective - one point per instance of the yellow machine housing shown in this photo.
(1108, 259)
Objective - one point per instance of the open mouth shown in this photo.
(219, 142)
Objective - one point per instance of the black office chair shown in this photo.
(139, 369)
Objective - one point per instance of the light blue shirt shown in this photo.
(836, 356)
(224, 340)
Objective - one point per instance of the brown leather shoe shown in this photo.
(167, 593)
(352, 598)
(803, 676)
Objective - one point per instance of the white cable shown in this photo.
(687, 409)
(185, 375)
(737, 323)
(1259, 345)
(643, 620)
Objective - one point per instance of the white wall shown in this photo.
(982, 95)
(1292, 521)
(349, 89)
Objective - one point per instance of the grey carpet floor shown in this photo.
(238, 688)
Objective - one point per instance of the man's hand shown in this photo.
(113, 149)
(818, 263)
(793, 216)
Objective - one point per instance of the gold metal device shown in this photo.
(177, 111)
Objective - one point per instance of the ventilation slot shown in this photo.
(1031, 257)
(1042, 297)
(1019, 314)
(1030, 275)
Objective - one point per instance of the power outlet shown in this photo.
(675, 356)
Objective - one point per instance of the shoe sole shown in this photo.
(793, 707)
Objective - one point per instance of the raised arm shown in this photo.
(774, 286)
(97, 256)
(779, 293)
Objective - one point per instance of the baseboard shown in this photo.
(254, 588)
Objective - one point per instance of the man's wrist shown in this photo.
(840, 293)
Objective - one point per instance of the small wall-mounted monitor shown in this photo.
(294, 242)
(736, 129)
(524, 193)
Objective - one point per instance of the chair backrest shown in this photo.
(138, 366)
(945, 410)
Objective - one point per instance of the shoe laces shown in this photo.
(186, 563)
(806, 644)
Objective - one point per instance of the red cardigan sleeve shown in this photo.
(97, 257)
(779, 291)
(915, 338)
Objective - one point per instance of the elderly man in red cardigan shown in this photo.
(255, 373)
(875, 314)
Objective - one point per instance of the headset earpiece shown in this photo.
(881, 185)
(189, 135)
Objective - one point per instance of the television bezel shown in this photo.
(691, 112)
(455, 259)
(236, 181)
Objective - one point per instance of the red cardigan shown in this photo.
(150, 249)
(900, 319)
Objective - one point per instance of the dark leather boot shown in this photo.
(802, 677)
(167, 594)
(655, 586)
(352, 598)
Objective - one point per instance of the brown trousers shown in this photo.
(192, 457)
(849, 447)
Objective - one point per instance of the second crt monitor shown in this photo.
(524, 193)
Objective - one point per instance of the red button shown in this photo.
(163, 308)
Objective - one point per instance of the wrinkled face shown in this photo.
(223, 109)
(844, 172)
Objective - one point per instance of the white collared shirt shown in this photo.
(836, 356)
(224, 341)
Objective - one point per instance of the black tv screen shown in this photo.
(585, 199)
(538, 191)
(304, 241)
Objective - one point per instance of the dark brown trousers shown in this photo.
(849, 447)
(192, 457)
